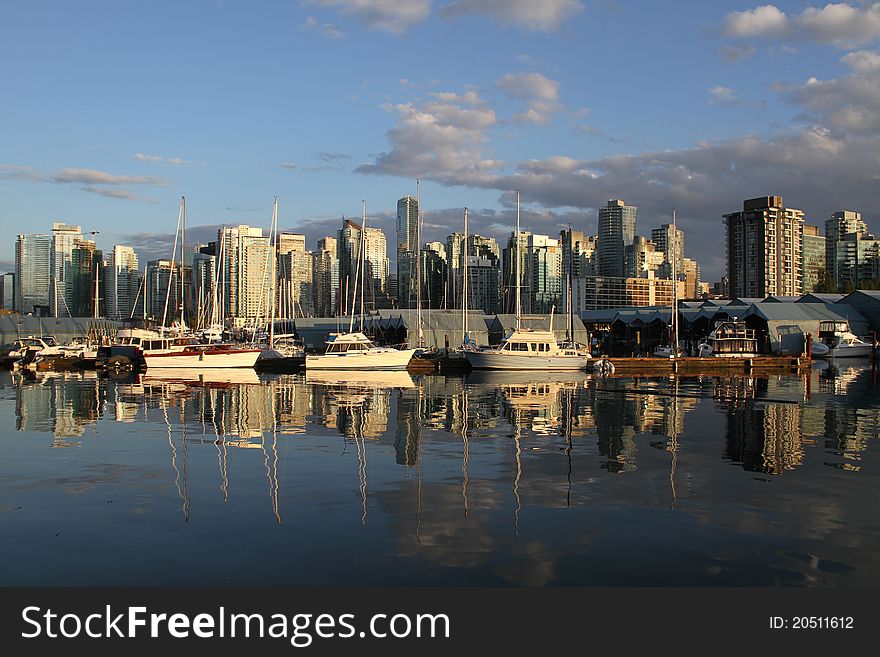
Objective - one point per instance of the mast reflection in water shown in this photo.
(197, 478)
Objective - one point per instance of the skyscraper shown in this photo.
(617, 228)
(63, 281)
(814, 265)
(407, 249)
(663, 241)
(348, 251)
(841, 223)
(765, 249)
(434, 274)
(326, 278)
(543, 274)
(246, 272)
(33, 273)
(122, 282)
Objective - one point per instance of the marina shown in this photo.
(493, 478)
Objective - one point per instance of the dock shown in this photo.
(709, 366)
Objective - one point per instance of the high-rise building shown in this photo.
(246, 273)
(288, 242)
(33, 274)
(326, 278)
(407, 249)
(478, 246)
(617, 228)
(434, 275)
(765, 249)
(663, 241)
(690, 274)
(484, 283)
(578, 253)
(376, 256)
(515, 244)
(543, 274)
(162, 290)
(296, 276)
(7, 291)
(814, 266)
(841, 223)
(122, 283)
(643, 256)
(348, 251)
(63, 283)
(601, 292)
(858, 261)
(86, 279)
(204, 285)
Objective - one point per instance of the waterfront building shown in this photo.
(63, 281)
(617, 229)
(601, 292)
(122, 283)
(204, 283)
(814, 265)
(85, 280)
(578, 253)
(841, 223)
(246, 285)
(33, 274)
(486, 250)
(543, 274)
(376, 257)
(407, 248)
(690, 274)
(765, 249)
(643, 256)
(162, 290)
(508, 271)
(484, 284)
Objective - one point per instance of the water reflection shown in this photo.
(450, 472)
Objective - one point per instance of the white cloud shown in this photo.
(290, 166)
(389, 15)
(174, 161)
(537, 15)
(444, 135)
(720, 95)
(537, 90)
(765, 20)
(840, 24)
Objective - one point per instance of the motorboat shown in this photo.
(841, 341)
(355, 351)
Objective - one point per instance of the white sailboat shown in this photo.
(182, 351)
(525, 348)
(354, 350)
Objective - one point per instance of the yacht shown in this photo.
(529, 349)
(841, 341)
(354, 350)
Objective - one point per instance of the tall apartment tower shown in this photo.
(33, 273)
(407, 249)
(63, 282)
(326, 278)
(841, 223)
(665, 242)
(814, 258)
(122, 282)
(617, 228)
(246, 288)
(765, 249)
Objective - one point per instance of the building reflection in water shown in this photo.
(768, 421)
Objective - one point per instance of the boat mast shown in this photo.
(171, 269)
(518, 279)
(674, 289)
(568, 292)
(464, 279)
(182, 266)
(419, 261)
(273, 280)
(363, 256)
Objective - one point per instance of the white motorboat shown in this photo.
(355, 351)
(841, 341)
(529, 349)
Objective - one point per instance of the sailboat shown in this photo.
(526, 348)
(163, 350)
(282, 353)
(354, 350)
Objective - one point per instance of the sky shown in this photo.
(110, 111)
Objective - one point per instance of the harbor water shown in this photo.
(492, 479)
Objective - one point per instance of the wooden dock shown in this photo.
(693, 365)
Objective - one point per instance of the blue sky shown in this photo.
(111, 111)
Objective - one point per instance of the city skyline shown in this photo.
(764, 100)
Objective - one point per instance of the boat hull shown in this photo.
(385, 359)
(482, 360)
(203, 359)
(851, 351)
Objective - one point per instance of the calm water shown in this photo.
(489, 480)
